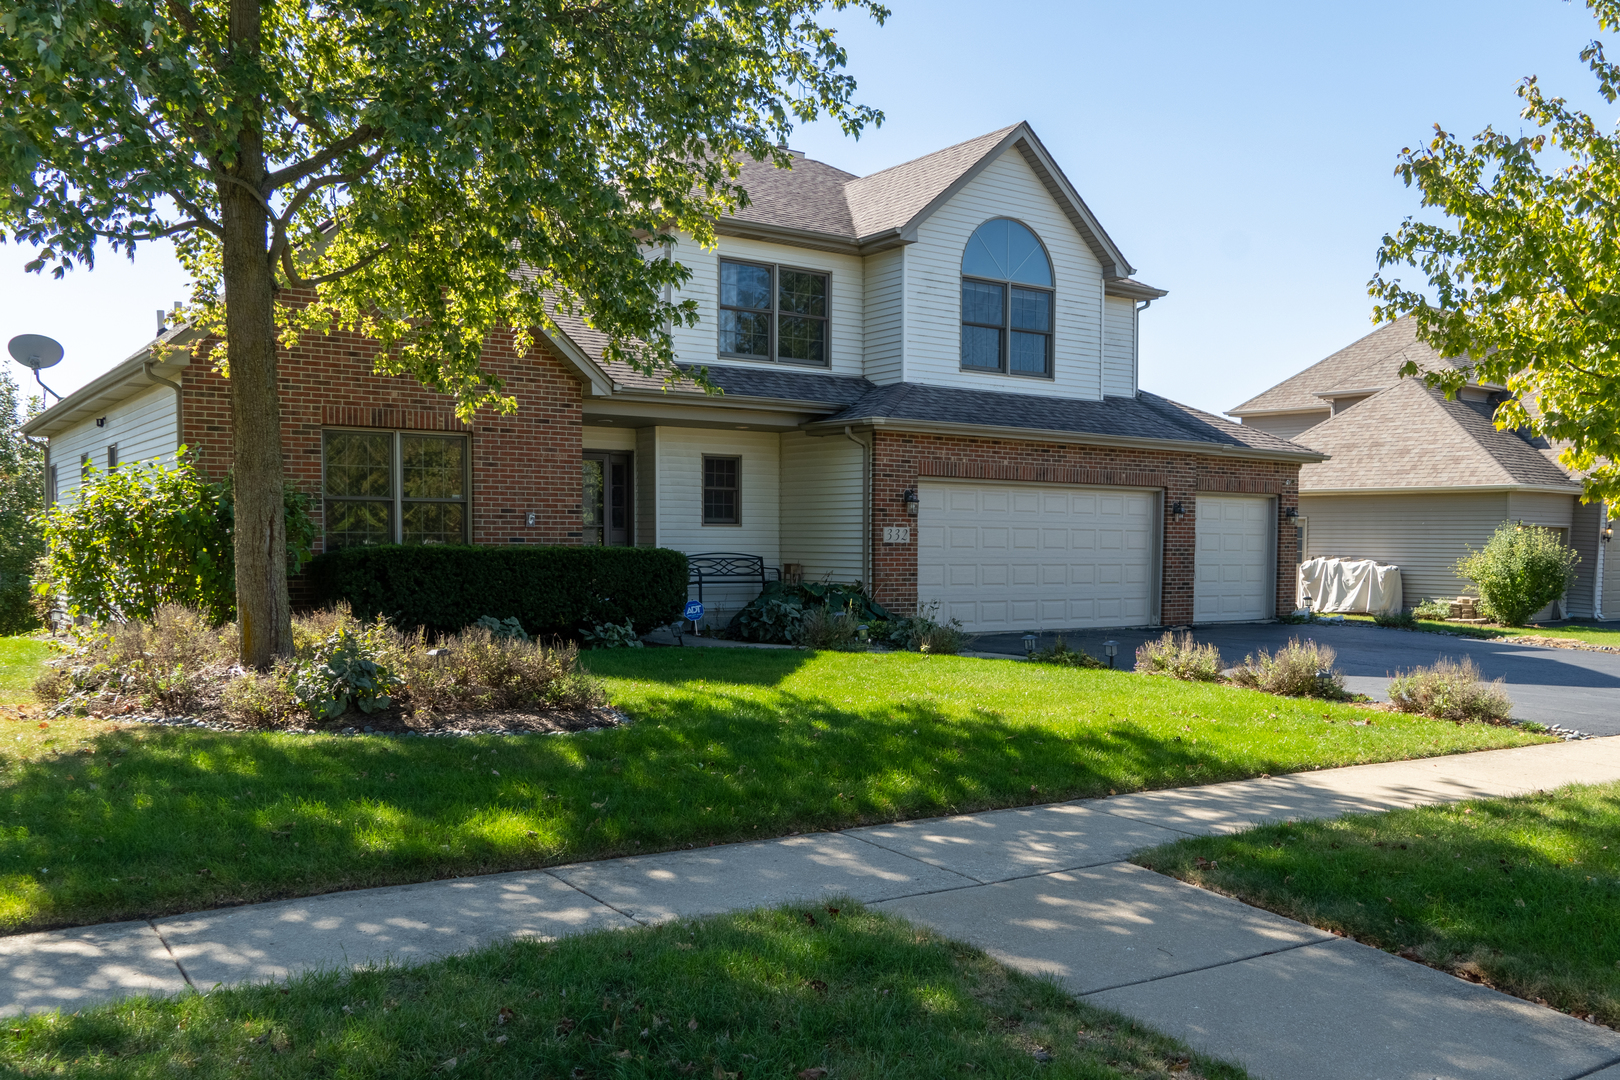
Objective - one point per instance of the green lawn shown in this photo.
(1590, 634)
(1523, 894)
(20, 659)
(760, 994)
(99, 822)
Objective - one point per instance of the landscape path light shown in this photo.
(1110, 650)
(1029, 643)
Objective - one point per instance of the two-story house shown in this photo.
(930, 385)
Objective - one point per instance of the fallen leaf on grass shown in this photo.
(691, 1025)
(814, 1073)
(817, 985)
(811, 919)
(564, 1026)
(504, 1016)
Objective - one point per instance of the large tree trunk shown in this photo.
(263, 613)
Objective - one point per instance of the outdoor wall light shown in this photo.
(1291, 513)
(909, 497)
(1029, 644)
(1176, 511)
(1110, 650)
(1608, 533)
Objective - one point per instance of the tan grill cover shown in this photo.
(1351, 585)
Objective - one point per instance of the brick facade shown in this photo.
(522, 463)
(900, 460)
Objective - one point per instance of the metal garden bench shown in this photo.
(724, 567)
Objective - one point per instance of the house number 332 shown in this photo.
(897, 534)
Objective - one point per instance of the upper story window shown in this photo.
(1006, 301)
(770, 312)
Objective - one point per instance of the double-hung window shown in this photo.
(1007, 301)
(770, 312)
(722, 490)
(394, 487)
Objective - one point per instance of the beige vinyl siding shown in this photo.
(821, 505)
(1007, 187)
(1119, 347)
(679, 499)
(1611, 575)
(1546, 508)
(142, 426)
(594, 437)
(1286, 425)
(846, 301)
(885, 315)
(1585, 536)
(645, 466)
(1424, 534)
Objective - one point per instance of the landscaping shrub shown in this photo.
(1433, 609)
(1179, 657)
(1521, 570)
(827, 627)
(180, 662)
(1450, 690)
(167, 663)
(611, 636)
(549, 590)
(1059, 653)
(1399, 620)
(776, 615)
(1298, 669)
(149, 534)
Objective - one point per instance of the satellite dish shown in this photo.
(36, 351)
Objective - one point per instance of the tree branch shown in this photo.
(293, 277)
(294, 173)
(304, 194)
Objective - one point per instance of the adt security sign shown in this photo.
(693, 612)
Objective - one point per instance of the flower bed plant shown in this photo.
(1298, 669)
(1451, 690)
(179, 663)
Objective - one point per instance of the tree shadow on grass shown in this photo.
(765, 993)
(1521, 893)
(159, 821)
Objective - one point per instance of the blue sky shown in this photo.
(1240, 154)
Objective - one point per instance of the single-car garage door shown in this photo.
(1015, 557)
(1232, 569)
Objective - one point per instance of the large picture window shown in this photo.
(394, 487)
(1007, 301)
(770, 312)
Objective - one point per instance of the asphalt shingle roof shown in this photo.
(775, 384)
(1372, 363)
(1410, 436)
(1145, 416)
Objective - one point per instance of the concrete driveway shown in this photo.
(1569, 687)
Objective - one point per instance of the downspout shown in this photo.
(1597, 584)
(1136, 345)
(179, 402)
(866, 508)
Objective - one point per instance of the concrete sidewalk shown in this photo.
(1044, 890)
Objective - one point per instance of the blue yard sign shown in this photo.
(694, 611)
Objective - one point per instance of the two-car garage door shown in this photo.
(1016, 557)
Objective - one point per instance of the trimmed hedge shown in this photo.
(550, 590)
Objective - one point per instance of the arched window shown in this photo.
(1006, 301)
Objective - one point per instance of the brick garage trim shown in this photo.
(900, 460)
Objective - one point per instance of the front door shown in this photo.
(605, 501)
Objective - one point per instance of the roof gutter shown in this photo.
(1450, 489)
(1303, 456)
(132, 368)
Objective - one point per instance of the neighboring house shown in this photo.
(930, 380)
(1413, 479)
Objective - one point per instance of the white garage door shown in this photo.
(1232, 568)
(1025, 557)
